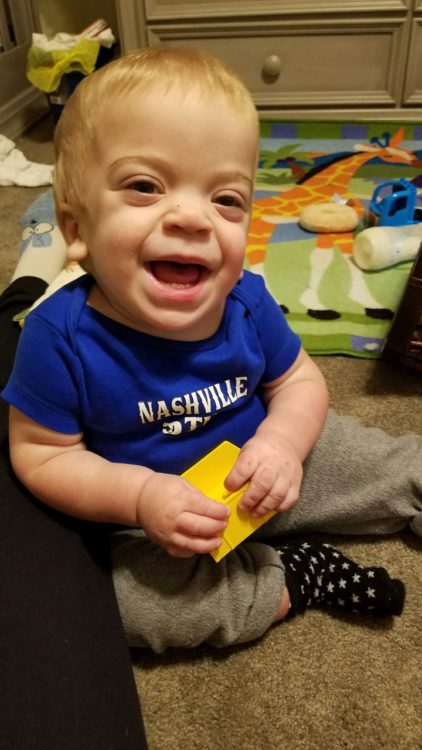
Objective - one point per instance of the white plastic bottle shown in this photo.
(380, 247)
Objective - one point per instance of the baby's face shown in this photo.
(167, 206)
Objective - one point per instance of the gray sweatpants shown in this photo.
(357, 480)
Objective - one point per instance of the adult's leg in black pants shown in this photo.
(65, 675)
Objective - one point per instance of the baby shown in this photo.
(164, 349)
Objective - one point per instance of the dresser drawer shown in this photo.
(413, 87)
(195, 9)
(294, 65)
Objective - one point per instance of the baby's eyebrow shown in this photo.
(235, 175)
(151, 161)
(156, 162)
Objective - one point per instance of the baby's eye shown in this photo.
(144, 186)
(230, 201)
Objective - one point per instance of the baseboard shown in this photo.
(18, 114)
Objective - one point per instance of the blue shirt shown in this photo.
(147, 400)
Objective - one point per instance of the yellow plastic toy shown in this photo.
(208, 475)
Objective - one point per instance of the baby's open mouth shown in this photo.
(177, 274)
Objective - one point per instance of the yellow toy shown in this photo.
(208, 475)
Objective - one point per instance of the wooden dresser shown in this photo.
(299, 58)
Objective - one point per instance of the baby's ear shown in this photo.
(69, 225)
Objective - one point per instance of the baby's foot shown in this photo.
(318, 575)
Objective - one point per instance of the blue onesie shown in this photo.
(147, 400)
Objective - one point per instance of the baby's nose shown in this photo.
(189, 215)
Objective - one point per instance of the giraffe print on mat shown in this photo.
(320, 186)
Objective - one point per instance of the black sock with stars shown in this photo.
(318, 575)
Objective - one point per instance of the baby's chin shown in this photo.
(181, 313)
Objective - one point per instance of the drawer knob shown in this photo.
(272, 65)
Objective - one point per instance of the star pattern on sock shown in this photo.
(327, 578)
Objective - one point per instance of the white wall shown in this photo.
(73, 16)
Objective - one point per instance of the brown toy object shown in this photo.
(404, 341)
(329, 217)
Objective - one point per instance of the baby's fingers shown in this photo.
(244, 468)
(265, 492)
(202, 506)
(186, 546)
(291, 497)
(194, 525)
(280, 498)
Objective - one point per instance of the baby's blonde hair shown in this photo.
(135, 72)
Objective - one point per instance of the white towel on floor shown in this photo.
(15, 169)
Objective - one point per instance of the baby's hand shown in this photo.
(274, 471)
(180, 518)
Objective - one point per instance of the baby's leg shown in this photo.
(168, 602)
(357, 480)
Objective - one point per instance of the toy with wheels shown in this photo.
(393, 203)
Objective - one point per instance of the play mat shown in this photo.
(334, 306)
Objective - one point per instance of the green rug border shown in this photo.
(318, 128)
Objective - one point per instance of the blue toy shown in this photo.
(393, 204)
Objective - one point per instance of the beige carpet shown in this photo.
(317, 682)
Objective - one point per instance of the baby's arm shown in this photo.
(60, 471)
(297, 404)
